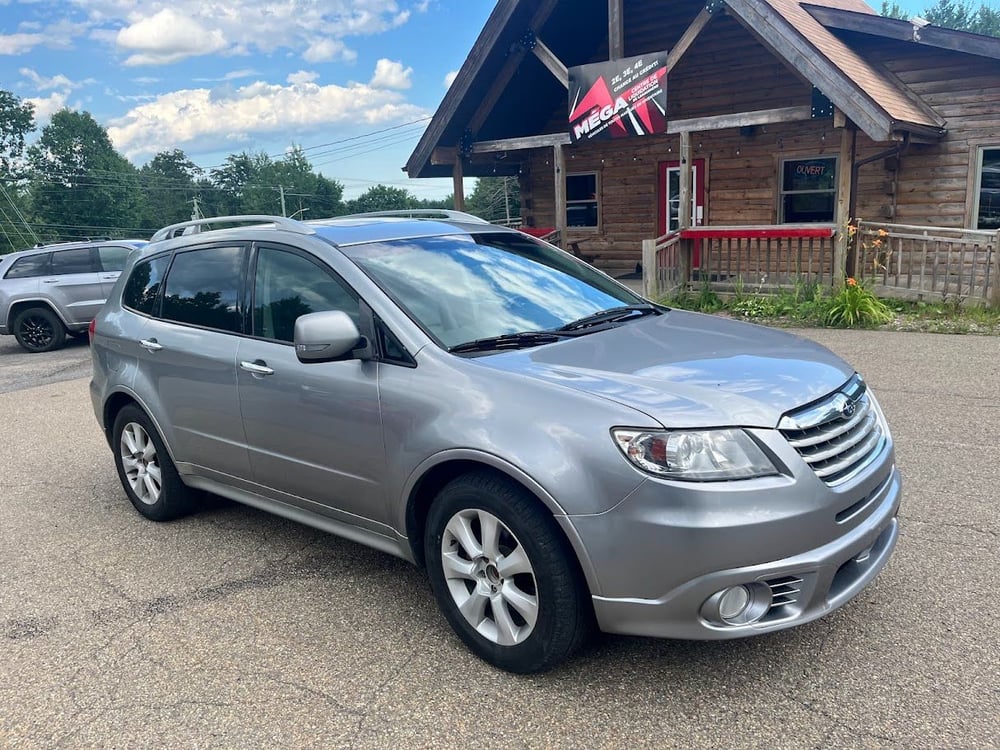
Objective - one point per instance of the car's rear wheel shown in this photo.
(38, 329)
(145, 469)
(504, 575)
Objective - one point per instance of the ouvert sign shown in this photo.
(618, 98)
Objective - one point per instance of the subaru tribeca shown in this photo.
(557, 452)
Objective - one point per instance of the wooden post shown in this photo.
(994, 298)
(459, 185)
(559, 176)
(650, 275)
(616, 33)
(842, 217)
(684, 209)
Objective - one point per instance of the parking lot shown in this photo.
(236, 629)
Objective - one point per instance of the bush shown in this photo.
(854, 306)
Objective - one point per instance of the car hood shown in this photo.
(688, 370)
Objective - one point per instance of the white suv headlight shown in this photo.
(694, 455)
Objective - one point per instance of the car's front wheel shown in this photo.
(146, 470)
(38, 329)
(504, 575)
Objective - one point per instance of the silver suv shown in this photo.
(558, 452)
(52, 290)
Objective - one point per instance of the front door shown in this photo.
(670, 200)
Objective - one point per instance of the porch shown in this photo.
(892, 260)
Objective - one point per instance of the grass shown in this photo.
(810, 304)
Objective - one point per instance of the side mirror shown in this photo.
(326, 336)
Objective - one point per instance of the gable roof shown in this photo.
(877, 102)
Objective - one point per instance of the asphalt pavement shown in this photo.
(235, 629)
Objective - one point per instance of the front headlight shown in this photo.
(694, 455)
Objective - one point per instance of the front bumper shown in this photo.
(668, 570)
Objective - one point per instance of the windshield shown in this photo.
(461, 288)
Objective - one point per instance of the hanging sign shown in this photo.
(618, 98)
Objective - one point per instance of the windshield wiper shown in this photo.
(504, 341)
(610, 316)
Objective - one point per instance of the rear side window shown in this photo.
(143, 286)
(30, 267)
(112, 257)
(203, 288)
(287, 286)
(78, 260)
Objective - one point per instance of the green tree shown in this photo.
(242, 185)
(383, 198)
(80, 185)
(17, 119)
(495, 199)
(953, 14)
(169, 186)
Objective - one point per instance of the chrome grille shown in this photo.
(838, 436)
(785, 592)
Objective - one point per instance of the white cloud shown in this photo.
(390, 74)
(168, 37)
(16, 44)
(48, 106)
(303, 76)
(59, 81)
(450, 78)
(324, 50)
(203, 119)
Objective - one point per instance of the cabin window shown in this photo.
(581, 200)
(808, 190)
(988, 189)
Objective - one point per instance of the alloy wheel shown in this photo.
(489, 577)
(142, 470)
(37, 331)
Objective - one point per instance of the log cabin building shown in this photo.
(794, 119)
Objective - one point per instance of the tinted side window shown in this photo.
(78, 260)
(202, 288)
(287, 286)
(143, 286)
(113, 257)
(30, 267)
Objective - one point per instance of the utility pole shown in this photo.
(506, 201)
(281, 189)
(196, 209)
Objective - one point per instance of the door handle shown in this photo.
(257, 368)
(109, 277)
(150, 345)
(50, 281)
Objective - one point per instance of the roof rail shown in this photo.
(421, 213)
(291, 225)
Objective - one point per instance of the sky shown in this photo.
(353, 82)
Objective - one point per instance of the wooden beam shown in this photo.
(519, 144)
(776, 34)
(687, 38)
(507, 72)
(741, 119)
(559, 175)
(444, 155)
(458, 185)
(553, 63)
(616, 30)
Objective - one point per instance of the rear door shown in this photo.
(74, 284)
(187, 354)
(111, 260)
(314, 431)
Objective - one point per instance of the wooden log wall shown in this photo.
(727, 71)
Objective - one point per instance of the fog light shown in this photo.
(733, 602)
(734, 606)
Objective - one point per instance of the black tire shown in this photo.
(144, 464)
(563, 618)
(38, 329)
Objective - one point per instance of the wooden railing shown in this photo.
(661, 272)
(764, 258)
(900, 260)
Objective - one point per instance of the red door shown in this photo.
(669, 200)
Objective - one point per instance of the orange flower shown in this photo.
(851, 281)
(883, 233)
(876, 243)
